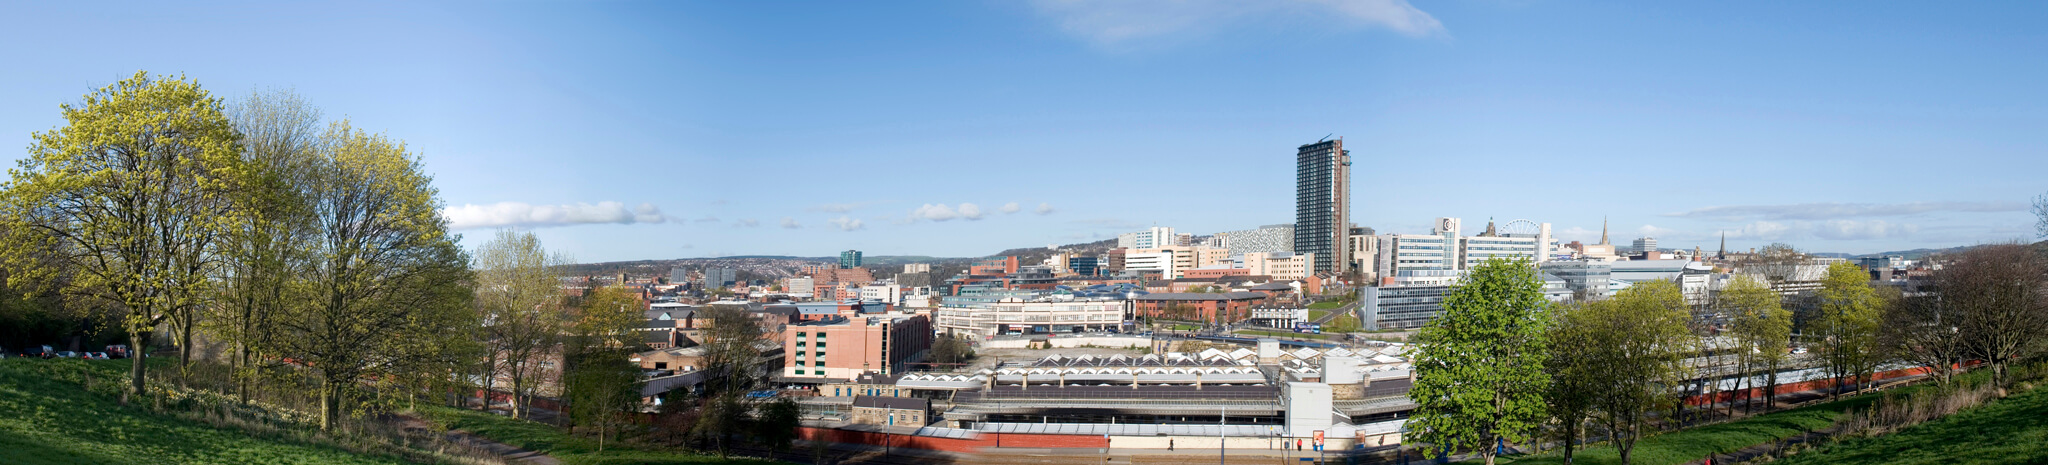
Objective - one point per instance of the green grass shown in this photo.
(1695, 443)
(49, 416)
(1317, 315)
(2013, 430)
(1327, 305)
(559, 444)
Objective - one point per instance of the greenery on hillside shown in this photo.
(2013, 430)
(555, 443)
(48, 416)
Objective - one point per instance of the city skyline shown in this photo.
(696, 130)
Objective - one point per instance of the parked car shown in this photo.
(96, 355)
(39, 352)
(117, 351)
(67, 354)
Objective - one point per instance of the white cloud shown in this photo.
(934, 212)
(1851, 230)
(1827, 211)
(746, 223)
(1654, 231)
(790, 223)
(943, 212)
(1043, 209)
(847, 224)
(1011, 207)
(524, 215)
(1110, 22)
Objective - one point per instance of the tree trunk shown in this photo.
(136, 365)
(326, 404)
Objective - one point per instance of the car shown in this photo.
(67, 354)
(96, 355)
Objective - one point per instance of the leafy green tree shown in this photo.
(603, 389)
(609, 318)
(1573, 374)
(385, 273)
(776, 423)
(1637, 343)
(128, 200)
(1761, 329)
(1847, 327)
(1342, 324)
(950, 350)
(1479, 377)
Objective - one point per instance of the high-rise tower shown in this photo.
(1322, 204)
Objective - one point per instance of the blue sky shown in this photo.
(627, 130)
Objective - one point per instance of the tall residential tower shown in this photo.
(1322, 204)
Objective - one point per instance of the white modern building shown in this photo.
(1284, 266)
(1030, 317)
(1150, 238)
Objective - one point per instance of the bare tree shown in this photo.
(1923, 330)
(519, 297)
(2041, 215)
(1996, 290)
(1776, 264)
(265, 248)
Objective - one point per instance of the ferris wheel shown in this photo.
(1520, 228)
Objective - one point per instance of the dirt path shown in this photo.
(512, 455)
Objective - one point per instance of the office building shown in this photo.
(1644, 245)
(1585, 278)
(678, 275)
(1085, 266)
(1322, 204)
(1153, 237)
(848, 344)
(1285, 266)
(917, 268)
(719, 278)
(849, 259)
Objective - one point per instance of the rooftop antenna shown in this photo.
(1325, 138)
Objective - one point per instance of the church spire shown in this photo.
(1723, 254)
(1603, 230)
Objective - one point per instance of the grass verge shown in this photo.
(51, 415)
(559, 444)
(2010, 430)
(1692, 444)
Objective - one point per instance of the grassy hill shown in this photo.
(49, 417)
(2012, 430)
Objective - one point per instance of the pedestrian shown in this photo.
(1169, 444)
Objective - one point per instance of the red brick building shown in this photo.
(1223, 307)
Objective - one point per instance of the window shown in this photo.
(799, 363)
(821, 335)
(799, 343)
(801, 334)
(821, 344)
